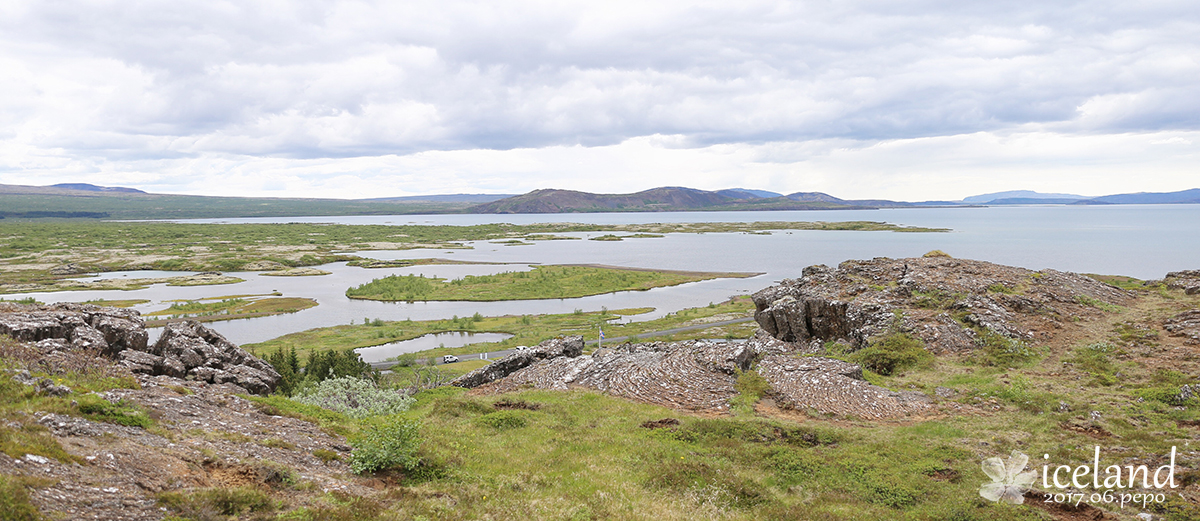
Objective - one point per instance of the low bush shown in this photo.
(355, 397)
(998, 350)
(386, 443)
(894, 352)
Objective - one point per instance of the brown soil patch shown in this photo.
(664, 423)
(506, 404)
(1094, 431)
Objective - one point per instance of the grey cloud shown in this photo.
(342, 79)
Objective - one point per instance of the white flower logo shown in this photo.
(1008, 482)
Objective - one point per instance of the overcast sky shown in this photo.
(909, 100)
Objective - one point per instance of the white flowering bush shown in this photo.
(355, 397)
(390, 442)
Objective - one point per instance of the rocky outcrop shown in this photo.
(568, 347)
(1187, 280)
(947, 302)
(1186, 324)
(692, 375)
(184, 350)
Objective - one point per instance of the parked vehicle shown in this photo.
(449, 359)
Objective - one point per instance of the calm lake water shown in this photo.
(1144, 241)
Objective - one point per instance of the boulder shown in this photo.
(569, 347)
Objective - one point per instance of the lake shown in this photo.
(1144, 241)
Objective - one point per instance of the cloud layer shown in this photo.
(334, 98)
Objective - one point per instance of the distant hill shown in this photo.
(93, 188)
(29, 202)
(1018, 195)
(664, 199)
(1182, 197)
(745, 193)
(444, 198)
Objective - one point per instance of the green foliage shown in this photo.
(1135, 334)
(203, 505)
(1168, 395)
(1020, 394)
(354, 397)
(721, 486)
(503, 420)
(1097, 360)
(998, 350)
(1096, 303)
(935, 299)
(14, 501)
(892, 353)
(1000, 288)
(96, 408)
(287, 364)
(336, 364)
(326, 455)
(388, 442)
(751, 387)
(17, 441)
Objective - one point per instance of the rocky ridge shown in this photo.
(184, 350)
(948, 303)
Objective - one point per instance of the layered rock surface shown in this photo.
(184, 350)
(683, 375)
(701, 376)
(946, 302)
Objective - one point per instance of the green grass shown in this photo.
(544, 282)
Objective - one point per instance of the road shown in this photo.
(493, 355)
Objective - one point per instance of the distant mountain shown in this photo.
(1018, 194)
(814, 197)
(745, 193)
(1182, 197)
(442, 198)
(1033, 200)
(664, 199)
(85, 187)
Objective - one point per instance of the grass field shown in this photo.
(543, 282)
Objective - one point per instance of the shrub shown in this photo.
(1001, 351)
(892, 353)
(354, 397)
(387, 443)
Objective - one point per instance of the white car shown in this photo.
(522, 349)
(449, 359)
